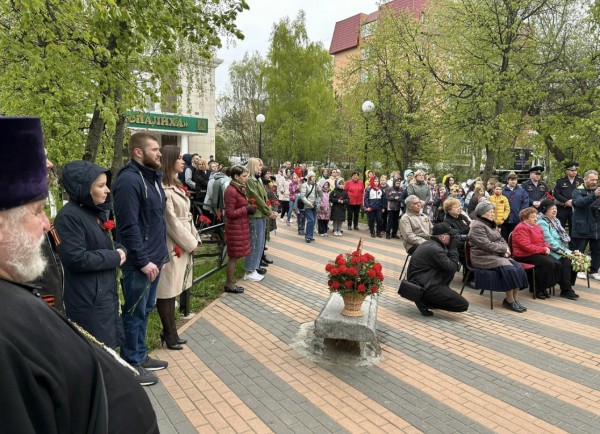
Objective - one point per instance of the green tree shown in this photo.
(101, 58)
(392, 73)
(486, 53)
(245, 99)
(565, 114)
(301, 104)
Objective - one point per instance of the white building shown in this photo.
(191, 126)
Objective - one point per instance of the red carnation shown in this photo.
(374, 290)
(348, 284)
(354, 260)
(334, 271)
(330, 283)
(369, 256)
(108, 225)
(204, 219)
(361, 287)
(364, 259)
(177, 251)
(328, 267)
(342, 268)
(380, 276)
(377, 266)
(372, 273)
(352, 271)
(340, 261)
(252, 201)
(335, 285)
(355, 253)
(268, 203)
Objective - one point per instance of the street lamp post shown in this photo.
(260, 118)
(367, 108)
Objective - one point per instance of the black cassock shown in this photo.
(54, 380)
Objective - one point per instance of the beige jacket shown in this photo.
(180, 231)
(415, 229)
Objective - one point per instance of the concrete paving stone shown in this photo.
(165, 427)
(381, 387)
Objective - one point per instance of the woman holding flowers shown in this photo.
(182, 240)
(89, 257)
(558, 240)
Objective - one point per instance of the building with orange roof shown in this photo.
(350, 32)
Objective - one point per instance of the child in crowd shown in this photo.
(323, 209)
(338, 199)
(501, 205)
(373, 203)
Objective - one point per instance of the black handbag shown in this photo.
(410, 290)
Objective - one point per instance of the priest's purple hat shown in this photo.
(22, 162)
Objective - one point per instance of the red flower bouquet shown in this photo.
(354, 272)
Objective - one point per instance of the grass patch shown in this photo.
(201, 295)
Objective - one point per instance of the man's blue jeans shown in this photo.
(311, 215)
(257, 244)
(140, 299)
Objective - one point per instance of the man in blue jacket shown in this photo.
(586, 220)
(140, 202)
(518, 199)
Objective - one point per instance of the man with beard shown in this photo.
(140, 202)
(53, 378)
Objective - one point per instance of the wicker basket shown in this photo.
(352, 304)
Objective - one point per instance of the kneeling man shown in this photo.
(432, 266)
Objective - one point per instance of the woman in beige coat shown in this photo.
(177, 275)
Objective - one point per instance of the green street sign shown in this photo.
(159, 121)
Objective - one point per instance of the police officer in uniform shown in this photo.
(563, 193)
(535, 187)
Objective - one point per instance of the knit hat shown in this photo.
(310, 173)
(441, 228)
(545, 205)
(339, 183)
(483, 207)
(24, 162)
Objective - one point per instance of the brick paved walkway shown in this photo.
(480, 371)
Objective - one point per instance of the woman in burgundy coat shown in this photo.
(237, 224)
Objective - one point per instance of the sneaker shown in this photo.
(144, 377)
(581, 275)
(254, 276)
(151, 364)
(595, 276)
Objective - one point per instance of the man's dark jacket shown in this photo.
(586, 215)
(433, 264)
(53, 380)
(140, 203)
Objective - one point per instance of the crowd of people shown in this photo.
(159, 201)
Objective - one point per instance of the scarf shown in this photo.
(240, 187)
(555, 223)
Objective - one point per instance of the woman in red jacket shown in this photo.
(356, 191)
(237, 224)
(529, 246)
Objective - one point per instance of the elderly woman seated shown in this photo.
(529, 246)
(490, 252)
(460, 226)
(558, 240)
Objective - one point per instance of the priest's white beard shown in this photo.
(25, 255)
